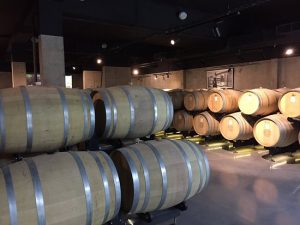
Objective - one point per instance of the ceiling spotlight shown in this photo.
(172, 42)
(99, 61)
(135, 72)
(155, 77)
(289, 51)
(182, 15)
(74, 68)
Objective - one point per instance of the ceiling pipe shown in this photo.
(179, 29)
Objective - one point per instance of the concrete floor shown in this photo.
(246, 191)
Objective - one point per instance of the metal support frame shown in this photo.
(156, 217)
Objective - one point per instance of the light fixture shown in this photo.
(155, 77)
(74, 68)
(289, 51)
(168, 75)
(182, 15)
(172, 42)
(135, 72)
(99, 61)
(103, 45)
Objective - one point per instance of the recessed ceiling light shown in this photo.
(182, 15)
(74, 68)
(172, 42)
(99, 61)
(289, 51)
(135, 72)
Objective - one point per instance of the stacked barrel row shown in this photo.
(85, 187)
(44, 119)
(243, 115)
(204, 110)
(91, 187)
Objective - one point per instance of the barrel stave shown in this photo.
(44, 118)
(72, 190)
(171, 171)
(206, 124)
(275, 131)
(131, 112)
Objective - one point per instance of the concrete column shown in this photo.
(114, 76)
(77, 81)
(92, 79)
(52, 60)
(5, 80)
(18, 70)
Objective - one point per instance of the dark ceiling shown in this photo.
(138, 32)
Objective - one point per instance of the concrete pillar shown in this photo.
(92, 79)
(114, 76)
(18, 70)
(77, 81)
(52, 60)
(5, 80)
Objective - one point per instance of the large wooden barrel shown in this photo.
(196, 100)
(156, 175)
(223, 101)
(40, 119)
(206, 124)
(182, 121)
(237, 126)
(177, 97)
(289, 104)
(259, 102)
(275, 131)
(63, 188)
(131, 111)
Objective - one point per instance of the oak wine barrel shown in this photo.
(237, 126)
(206, 124)
(289, 104)
(42, 119)
(156, 175)
(177, 97)
(131, 111)
(259, 101)
(63, 188)
(196, 100)
(275, 131)
(223, 101)
(182, 121)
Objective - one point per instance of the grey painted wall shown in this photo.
(175, 80)
(272, 74)
(114, 76)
